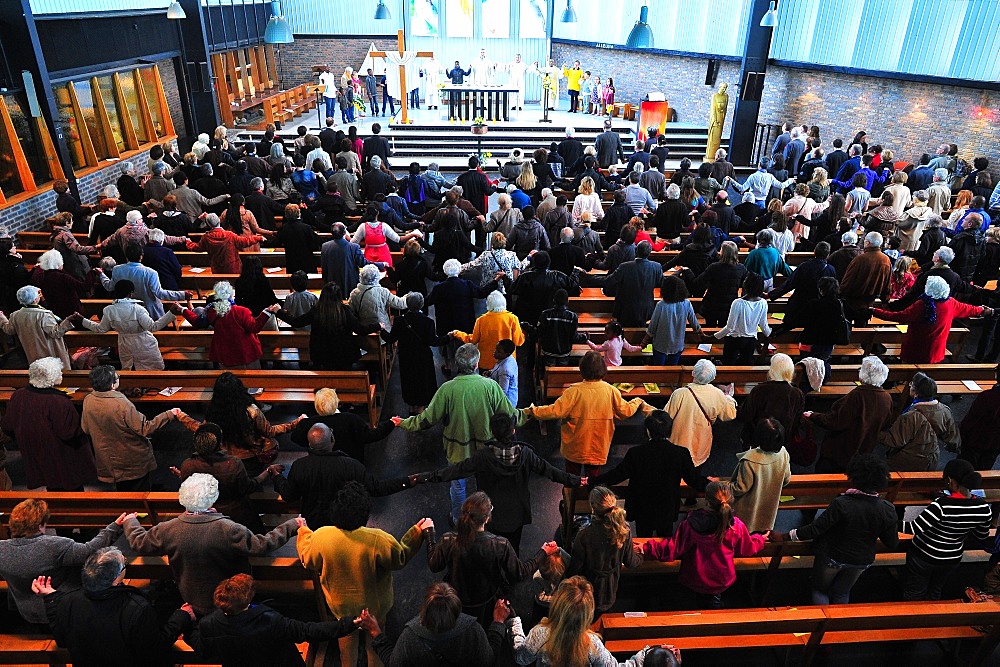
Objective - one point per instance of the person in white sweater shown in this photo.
(587, 200)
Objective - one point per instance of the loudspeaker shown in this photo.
(29, 92)
(753, 87)
(712, 73)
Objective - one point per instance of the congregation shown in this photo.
(837, 237)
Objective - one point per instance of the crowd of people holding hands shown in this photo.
(880, 245)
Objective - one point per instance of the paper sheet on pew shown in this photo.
(266, 250)
(903, 327)
(274, 269)
(705, 347)
(971, 385)
(778, 316)
(169, 391)
(197, 269)
(71, 390)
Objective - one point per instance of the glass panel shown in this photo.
(69, 125)
(424, 18)
(107, 87)
(533, 19)
(27, 135)
(10, 181)
(86, 98)
(152, 99)
(459, 18)
(132, 102)
(496, 19)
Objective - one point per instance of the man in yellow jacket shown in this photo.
(573, 76)
(355, 563)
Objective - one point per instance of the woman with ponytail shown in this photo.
(564, 638)
(479, 564)
(941, 532)
(706, 543)
(600, 549)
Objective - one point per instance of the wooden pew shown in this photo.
(805, 628)
(353, 387)
(843, 377)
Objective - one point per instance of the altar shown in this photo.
(490, 102)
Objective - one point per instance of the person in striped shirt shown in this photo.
(940, 532)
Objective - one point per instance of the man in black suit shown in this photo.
(376, 180)
(609, 145)
(632, 285)
(570, 148)
(375, 145)
(476, 187)
(328, 136)
(565, 256)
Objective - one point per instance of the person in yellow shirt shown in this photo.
(355, 563)
(588, 410)
(695, 408)
(573, 76)
(495, 325)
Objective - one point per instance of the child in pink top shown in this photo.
(706, 543)
(902, 278)
(614, 341)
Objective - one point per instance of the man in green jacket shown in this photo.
(464, 405)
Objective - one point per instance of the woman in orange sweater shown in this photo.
(588, 410)
(495, 325)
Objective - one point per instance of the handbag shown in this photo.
(265, 450)
(843, 329)
(802, 450)
(700, 406)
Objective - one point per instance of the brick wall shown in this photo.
(297, 59)
(909, 117)
(680, 79)
(31, 214)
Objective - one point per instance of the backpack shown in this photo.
(414, 192)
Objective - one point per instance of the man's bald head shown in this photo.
(320, 438)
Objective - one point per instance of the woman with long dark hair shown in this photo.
(826, 222)
(253, 290)
(600, 549)
(479, 564)
(246, 433)
(333, 342)
(241, 222)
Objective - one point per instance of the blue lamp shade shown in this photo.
(569, 14)
(641, 36)
(277, 31)
(382, 12)
(770, 18)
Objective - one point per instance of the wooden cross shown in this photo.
(403, 90)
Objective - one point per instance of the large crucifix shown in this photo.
(403, 90)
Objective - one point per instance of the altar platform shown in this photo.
(432, 137)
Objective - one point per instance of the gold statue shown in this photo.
(716, 119)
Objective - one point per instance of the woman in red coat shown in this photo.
(929, 320)
(235, 344)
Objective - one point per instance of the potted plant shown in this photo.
(479, 126)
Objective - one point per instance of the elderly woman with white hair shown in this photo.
(200, 146)
(46, 428)
(454, 301)
(203, 546)
(695, 408)
(137, 347)
(495, 325)
(62, 290)
(128, 187)
(775, 398)
(505, 217)
(370, 301)
(235, 344)
(162, 259)
(587, 200)
(912, 222)
(855, 421)
(929, 319)
(351, 432)
(38, 329)
(672, 216)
